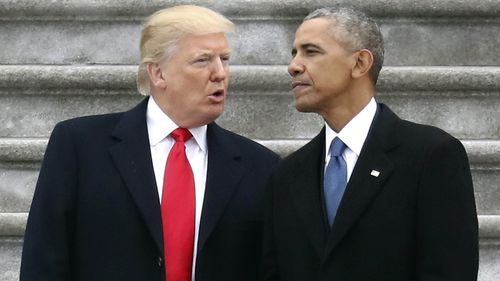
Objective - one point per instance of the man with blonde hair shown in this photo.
(159, 192)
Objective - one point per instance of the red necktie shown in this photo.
(177, 210)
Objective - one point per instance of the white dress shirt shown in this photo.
(159, 128)
(353, 135)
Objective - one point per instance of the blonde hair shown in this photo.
(164, 28)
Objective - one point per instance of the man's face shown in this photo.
(196, 78)
(321, 68)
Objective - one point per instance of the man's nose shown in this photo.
(295, 67)
(219, 70)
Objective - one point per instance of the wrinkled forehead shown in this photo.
(190, 46)
(216, 41)
(314, 31)
(322, 30)
(317, 26)
(313, 26)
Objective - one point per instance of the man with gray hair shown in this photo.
(371, 197)
(159, 192)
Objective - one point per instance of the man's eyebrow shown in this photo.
(306, 46)
(211, 53)
(309, 45)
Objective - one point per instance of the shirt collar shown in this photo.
(160, 126)
(355, 132)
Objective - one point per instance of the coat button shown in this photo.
(160, 261)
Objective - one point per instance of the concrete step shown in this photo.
(10, 255)
(90, 9)
(34, 98)
(107, 32)
(482, 153)
(20, 158)
(423, 42)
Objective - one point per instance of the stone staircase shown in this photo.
(62, 59)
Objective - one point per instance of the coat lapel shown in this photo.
(305, 187)
(224, 172)
(132, 157)
(372, 169)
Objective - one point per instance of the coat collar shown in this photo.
(224, 172)
(372, 169)
(306, 183)
(132, 157)
(306, 187)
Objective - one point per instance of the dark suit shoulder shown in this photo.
(424, 136)
(247, 147)
(87, 131)
(390, 131)
(92, 122)
(424, 131)
(311, 153)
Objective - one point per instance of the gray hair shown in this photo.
(354, 30)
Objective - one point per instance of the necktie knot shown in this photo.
(337, 147)
(181, 135)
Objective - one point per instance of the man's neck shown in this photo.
(342, 112)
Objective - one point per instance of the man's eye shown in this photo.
(225, 60)
(311, 52)
(201, 60)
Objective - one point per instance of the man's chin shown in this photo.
(199, 119)
(302, 107)
(210, 116)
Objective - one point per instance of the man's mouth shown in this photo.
(218, 93)
(217, 96)
(299, 84)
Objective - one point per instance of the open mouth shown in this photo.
(217, 96)
(218, 93)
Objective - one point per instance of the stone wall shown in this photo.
(62, 59)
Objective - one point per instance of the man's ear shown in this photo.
(156, 75)
(364, 63)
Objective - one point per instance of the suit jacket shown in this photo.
(416, 220)
(96, 212)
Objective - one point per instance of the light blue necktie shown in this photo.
(335, 179)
